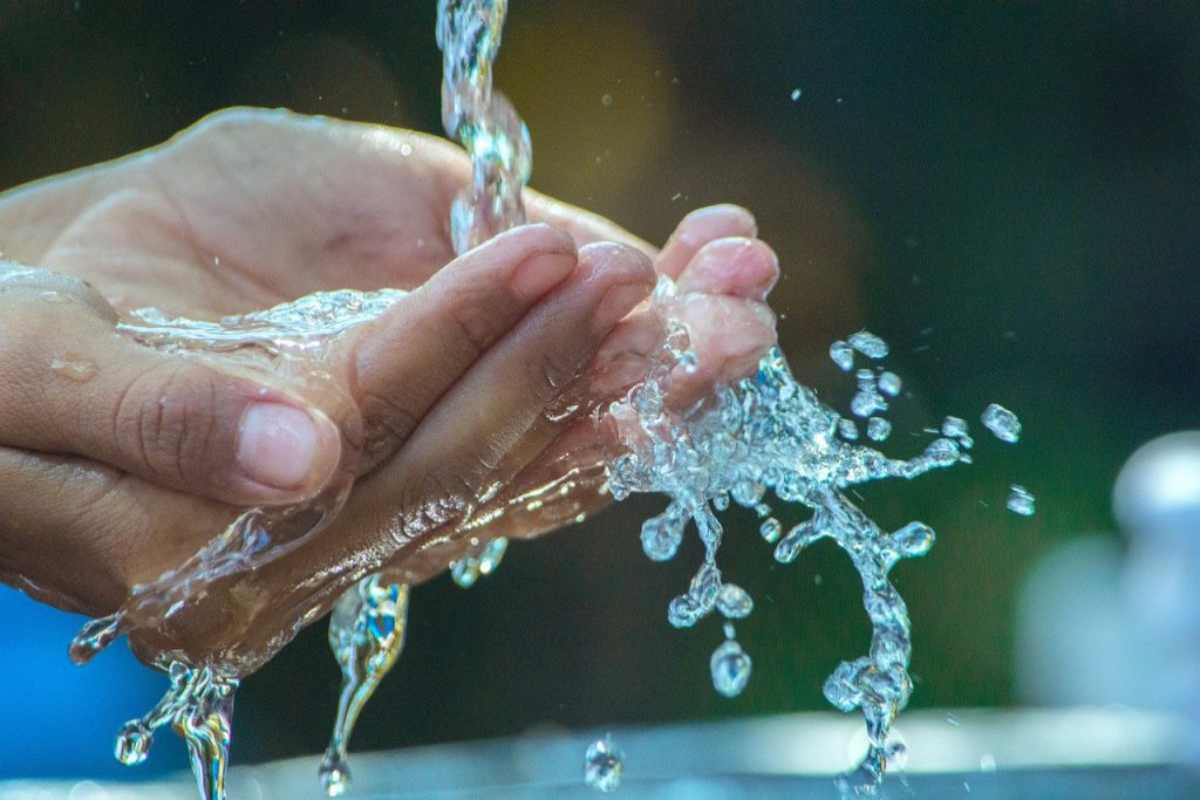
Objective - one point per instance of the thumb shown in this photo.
(69, 383)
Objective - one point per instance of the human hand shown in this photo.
(452, 386)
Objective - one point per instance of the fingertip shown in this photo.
(700, 227)
(622, 277)
(733, 265)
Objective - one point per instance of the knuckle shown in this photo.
(389, 421)
(165, 420)
(473, 319)
(550, 374)
(432, 502)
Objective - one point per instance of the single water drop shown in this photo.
(878, 428)
(133, 743)
(492, 555)
(603, 765)
(889, 383)
(606, 100)
(914, 539)
(465, 572)
(730, 668)
(796, 94)
(1021, 501)
(869, 344)
(842, 355)
(74, 367)
(661, 537)
(1002, 422)
(734, 602)
(770, 530)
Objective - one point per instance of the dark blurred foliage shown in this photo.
(1006, 191)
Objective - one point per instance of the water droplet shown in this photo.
(492, 555)
(1002, 422)
(987, 762)
(868, 344)
(464, 572)
(606, 100)
(1021, 501)
(796, 94)
(603, 764)
(878, 428)
(770, 530)
(734, 602)
(914, 539)
(74, 367)
(661, 536)
(730, 668)
(890, 383)
(842, 355)
(133, 743)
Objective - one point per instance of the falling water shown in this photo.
(770, 433)
(766, 433)
(485, 123)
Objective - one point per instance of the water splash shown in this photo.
(366, 630)
(366, 634)
(1002, 423)
(199, 707)
(290, 340)
(770, 433)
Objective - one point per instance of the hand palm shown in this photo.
(221, 221)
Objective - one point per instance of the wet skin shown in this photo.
(451, 411)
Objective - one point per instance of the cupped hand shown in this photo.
(462, 409)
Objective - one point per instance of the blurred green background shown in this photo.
(1006, 191)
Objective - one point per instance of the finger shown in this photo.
(697, 229)
(488, 427)
(497, 415)
(79, 535)
(728, 335)
(735, 266)
(412, 355)
(71, 385)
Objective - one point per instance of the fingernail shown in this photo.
(538, 274)
(714, 222)
(277, 445)
(618, 302)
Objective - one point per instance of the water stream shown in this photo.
(760, 442)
